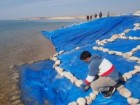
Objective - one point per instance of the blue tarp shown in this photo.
(40, 82)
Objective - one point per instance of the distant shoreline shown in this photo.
(62, 17)
(137, 13)
(55, 18)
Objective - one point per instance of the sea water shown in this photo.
(18, 35)
(21, 42)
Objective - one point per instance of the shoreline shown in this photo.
(20, 46)
(36, 53)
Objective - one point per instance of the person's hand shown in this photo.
(84, 87)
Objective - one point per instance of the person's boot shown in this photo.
(108, 94)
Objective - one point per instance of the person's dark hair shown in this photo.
(84, 55)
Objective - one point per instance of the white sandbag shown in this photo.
(110, 40)
(59, 69)
(134, 58)
(122, 34)
(96, 92)
(60, 52)
(95, 48)
(124, 91)
(135, 38)
(134, 50)
(114, 37)
(137, 68)
(105, 50)
(54, 58)
(73, 79)
(104, 41)
(128, 75)
(81, 101)
(133, 72)
(97, 41)
(130, 37)
(77, 48)
(56, 54)
(136, 28)
(111, 52)
(101, 44)
(68, 75)
(100, 48)
(138, 47)
(126, 31)
(93, 96)
(73, 103)
(88, 100)
(78, 83)
(129, 54)
(57, 62)
(133, 101)
(118, 53)
(62, 74)
(137, 24)
(123, 37)
(126, 55)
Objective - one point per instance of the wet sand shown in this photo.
(19, 50)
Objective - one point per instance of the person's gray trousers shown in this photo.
(102, 84)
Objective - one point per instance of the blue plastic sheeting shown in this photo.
(133, 33)
(81, 35)
(124, 46)
(40, 82)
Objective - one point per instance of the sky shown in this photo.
(16, 9)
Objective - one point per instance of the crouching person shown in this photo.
(108, 76)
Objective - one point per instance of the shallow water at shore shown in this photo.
(21, 42)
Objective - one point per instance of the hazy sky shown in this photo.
(15, 9)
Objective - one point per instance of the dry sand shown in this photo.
(20, 49)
